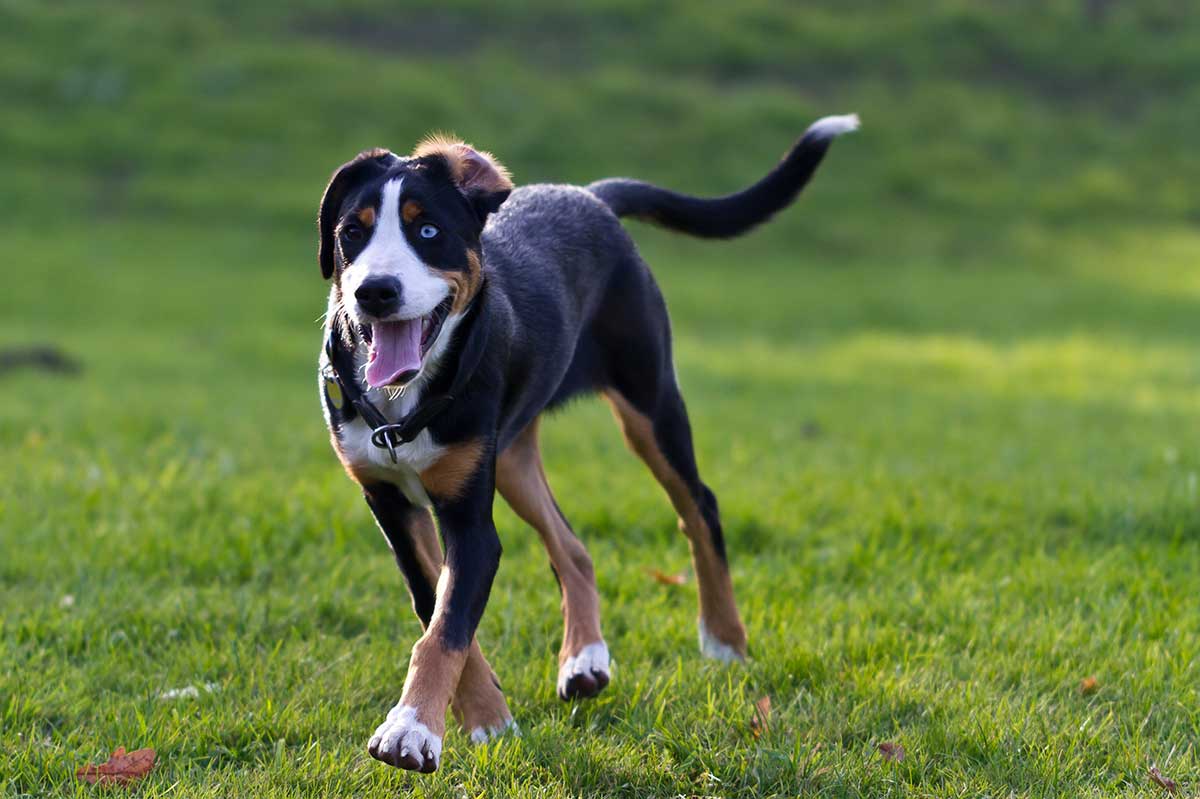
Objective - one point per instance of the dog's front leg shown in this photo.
(411, 737)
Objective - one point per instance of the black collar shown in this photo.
(339, 349)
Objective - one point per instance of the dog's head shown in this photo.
(401, 239)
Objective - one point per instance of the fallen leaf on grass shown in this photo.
(122, 768)
(1089, 685)
(1166, 783)
(892, 752)
(668, 579)
(761, 720)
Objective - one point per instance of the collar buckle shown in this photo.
(385, 437)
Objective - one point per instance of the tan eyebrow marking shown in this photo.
(411, 211)
(367, 216)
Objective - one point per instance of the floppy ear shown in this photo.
(364, 165)
(482, 179)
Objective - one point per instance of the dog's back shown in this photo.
(579, 306)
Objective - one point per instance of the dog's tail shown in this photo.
(734, 214)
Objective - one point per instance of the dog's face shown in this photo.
(401, 239)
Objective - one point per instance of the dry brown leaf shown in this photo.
(668, 579)
(1166, 783)
(891, 751)
(122, 768)
(1089, 685)
(760, 722)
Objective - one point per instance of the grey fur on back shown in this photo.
(549, 253)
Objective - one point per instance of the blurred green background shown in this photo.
(949, 401)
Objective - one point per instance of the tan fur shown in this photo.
(478, 700)
(464, 285)
(521, 480)
(424, 537)
(346, 464)
(411, 210)
(472, 170)
(435, 671)
(367, 216)
(447, 477)
(718, 609)
(433, 674)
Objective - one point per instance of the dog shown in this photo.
(461, 310)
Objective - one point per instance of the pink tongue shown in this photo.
(395, 349)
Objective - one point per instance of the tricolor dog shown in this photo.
(461, 311)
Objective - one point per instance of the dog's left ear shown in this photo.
(366, 164)
(478, 175)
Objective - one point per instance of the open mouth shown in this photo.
(398, 348)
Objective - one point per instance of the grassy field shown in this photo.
(950, 402)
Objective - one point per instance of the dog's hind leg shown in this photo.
(583, 668)
(478, 703)
(655, 423)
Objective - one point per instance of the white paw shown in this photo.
(404, 742)
(584, 674)
(715, 648)
(481, 735)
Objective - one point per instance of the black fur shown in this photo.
(721, 217)
(569, 308)
(367, 164)
(395, 516)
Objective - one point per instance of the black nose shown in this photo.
(379, 296)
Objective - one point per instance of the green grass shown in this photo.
(949, 403)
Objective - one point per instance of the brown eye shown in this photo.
(352, 231)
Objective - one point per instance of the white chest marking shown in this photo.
(374, 462)
(412, 458)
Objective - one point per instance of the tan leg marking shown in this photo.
(411, 736)
(718, 610)
(447, 477)
(478, 702)
(521, 480)
(433, 676)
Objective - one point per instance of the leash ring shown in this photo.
(382, 437)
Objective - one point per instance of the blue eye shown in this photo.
(428, 231)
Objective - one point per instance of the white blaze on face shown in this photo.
(397, 340)
(388, 254)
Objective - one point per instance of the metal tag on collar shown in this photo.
(333, 389)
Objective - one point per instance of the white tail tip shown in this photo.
(828, 127)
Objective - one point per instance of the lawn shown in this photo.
(950, 401)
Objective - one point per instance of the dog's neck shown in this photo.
(443, 370)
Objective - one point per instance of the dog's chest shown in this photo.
(369, 462)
